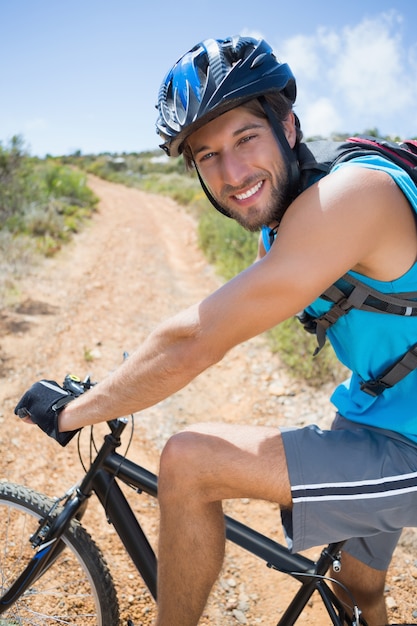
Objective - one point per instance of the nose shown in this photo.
(234, 169)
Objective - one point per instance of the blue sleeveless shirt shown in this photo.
(367, 343)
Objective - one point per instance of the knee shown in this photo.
(176, 453)
(178, 464)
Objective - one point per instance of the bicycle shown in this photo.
(66, 579)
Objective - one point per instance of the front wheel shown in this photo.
(76, 590)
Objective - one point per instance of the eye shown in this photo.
(247, 138)
(206, 157)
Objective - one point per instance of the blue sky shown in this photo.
(84, 74)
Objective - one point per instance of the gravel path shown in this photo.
(135, 264)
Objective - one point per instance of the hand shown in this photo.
(41, 405)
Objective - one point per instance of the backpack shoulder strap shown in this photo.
(348, 293)
(402, 154)
(393, 374)
(315, 160)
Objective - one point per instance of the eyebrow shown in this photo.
(236, 133)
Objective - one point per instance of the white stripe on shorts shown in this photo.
(359, 489)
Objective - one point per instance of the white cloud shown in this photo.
(303, 55)
(330, 41)
(356, 78)
(321, 118)
(369, 70)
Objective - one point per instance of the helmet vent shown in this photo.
(258, 61)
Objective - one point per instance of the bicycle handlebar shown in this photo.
(77, 387)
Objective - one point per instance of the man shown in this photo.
(227, 106)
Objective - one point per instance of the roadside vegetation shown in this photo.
(43, 202)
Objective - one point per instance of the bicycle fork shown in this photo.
(49, 547)
(47, 539)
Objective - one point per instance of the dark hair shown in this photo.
(281, 107)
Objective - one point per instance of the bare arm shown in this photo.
(347, 221)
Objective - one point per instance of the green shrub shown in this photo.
(66, 183)
(42, 202)
(225, 243)
(41, 220)
(17, 185)
(182, 188)
(296, 348)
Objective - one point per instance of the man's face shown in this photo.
(240, 162)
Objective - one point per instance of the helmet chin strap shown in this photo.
(289, 155)
(209, 196)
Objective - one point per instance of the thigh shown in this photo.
(230, 461)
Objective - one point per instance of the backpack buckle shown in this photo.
(374, 387)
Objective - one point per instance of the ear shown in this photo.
(289, 129)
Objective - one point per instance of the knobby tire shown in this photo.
(77, 589)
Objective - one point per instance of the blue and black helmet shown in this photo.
(213, 77)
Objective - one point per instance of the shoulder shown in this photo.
(355, 218)
(378, 163)
(347, 190)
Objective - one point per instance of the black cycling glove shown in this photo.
(43, 403)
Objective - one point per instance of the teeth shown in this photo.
(249, 193)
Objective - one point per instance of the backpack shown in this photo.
(347, 293)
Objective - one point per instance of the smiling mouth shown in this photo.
(250, 192)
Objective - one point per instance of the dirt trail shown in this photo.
(135, 264)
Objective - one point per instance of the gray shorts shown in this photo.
(352, 482)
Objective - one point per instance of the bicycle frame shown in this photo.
(109, 468)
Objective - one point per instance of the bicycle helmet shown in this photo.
(214, 77)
